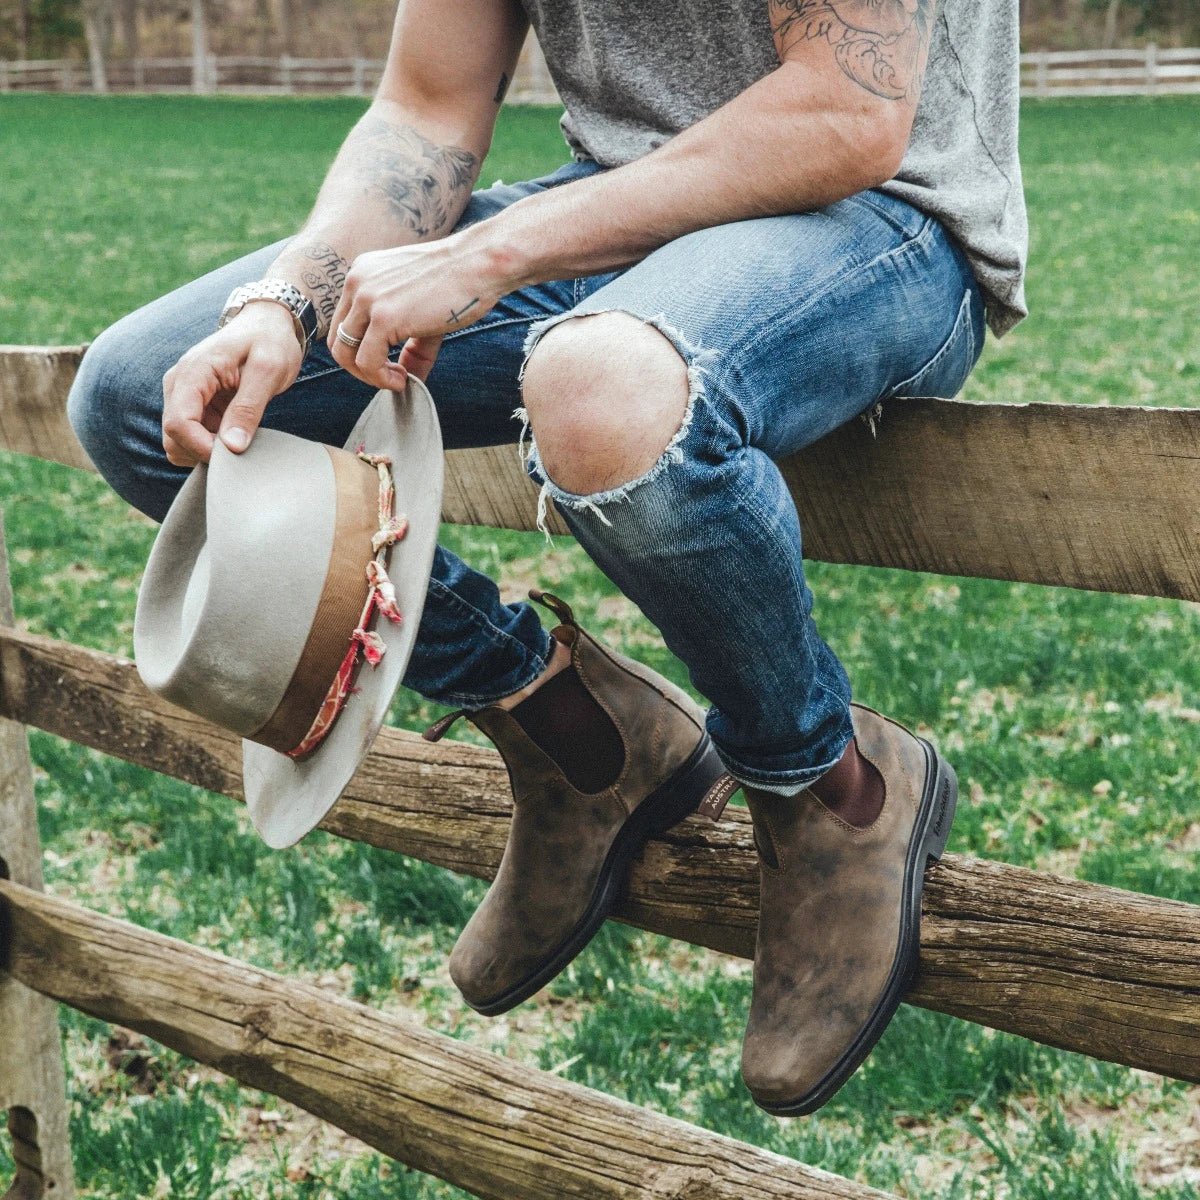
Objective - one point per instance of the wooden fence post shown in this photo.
(360, 77)
(285, 73)
(1043, 74)
(32, 1083)
(1152, 67)
(5, 84)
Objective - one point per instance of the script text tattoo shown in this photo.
(325, 279)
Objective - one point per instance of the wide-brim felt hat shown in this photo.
(260, 612)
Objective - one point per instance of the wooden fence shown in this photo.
(1047, 493)
(1147, 71)
(252, 74)
(1150, 71)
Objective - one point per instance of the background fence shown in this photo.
(1146, 71)
(281, 75)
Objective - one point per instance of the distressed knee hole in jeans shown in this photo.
(696, 360)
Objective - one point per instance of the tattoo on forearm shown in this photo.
(426, 185)
(456, 314)
(502, 89)
(325, 279)
(880, 44)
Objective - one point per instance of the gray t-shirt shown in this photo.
(632, 74)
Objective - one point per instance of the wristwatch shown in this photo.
(304, 313)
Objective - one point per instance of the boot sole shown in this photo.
(930, 832)
(677, 797)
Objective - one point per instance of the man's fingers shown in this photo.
(355, 320)
(371, 362)
(214, 412)
(419, 355)
(187, 390)
(257, 386)
(345, 307)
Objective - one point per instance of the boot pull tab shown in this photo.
(441, 726)
(717, 796)
(560, 608)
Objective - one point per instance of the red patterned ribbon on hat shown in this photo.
(381, 597)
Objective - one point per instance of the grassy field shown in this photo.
(1072, 718)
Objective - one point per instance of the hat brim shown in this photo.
(287, 798)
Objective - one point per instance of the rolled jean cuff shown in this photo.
(770, 774)
(469, 655)
(516, 679)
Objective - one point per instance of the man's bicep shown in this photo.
(453, 55)
(879, 46)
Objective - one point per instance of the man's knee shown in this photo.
(605, 394)
(114, 405)
(94, 401)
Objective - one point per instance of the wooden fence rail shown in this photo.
(1074, 495)
(480, 1121)
(1087, 497)
(1148, 70)
(1093, 969)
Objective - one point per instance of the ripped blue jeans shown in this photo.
(790, 326)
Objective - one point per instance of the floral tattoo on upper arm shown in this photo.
(880, 44)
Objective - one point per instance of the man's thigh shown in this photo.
(799, 323)
(117, 399)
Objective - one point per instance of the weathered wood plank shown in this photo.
(1087, 497)
(34, 381)
(480, 1121)
(1092, 969)
(32, 1082)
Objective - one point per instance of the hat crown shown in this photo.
(225, 608)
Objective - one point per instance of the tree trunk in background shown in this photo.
(127, 13)
(93, 28)
(23, 26)
(286, 23)
(1110, 23)
(199, 47)
(265, 23)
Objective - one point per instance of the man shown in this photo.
(777, 215)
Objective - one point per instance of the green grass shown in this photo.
(1072, 717)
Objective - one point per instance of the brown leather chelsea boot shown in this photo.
(839, 919)
(600, 757)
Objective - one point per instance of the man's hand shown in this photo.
(222, 385)
(413, 295)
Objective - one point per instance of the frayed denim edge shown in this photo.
(796, 782)
(695, 357)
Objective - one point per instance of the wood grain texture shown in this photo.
(1088, 968)
(484, 1123)
(1087, 497)
(32, 1079)
(33, 394)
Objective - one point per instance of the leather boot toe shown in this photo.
(839, 919)
(601, 757)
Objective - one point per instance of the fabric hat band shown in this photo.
(364, 528)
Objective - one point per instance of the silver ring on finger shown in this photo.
(346, 339)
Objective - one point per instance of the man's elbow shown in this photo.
(880, 149)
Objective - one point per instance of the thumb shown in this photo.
(256, 387)
(419, 354)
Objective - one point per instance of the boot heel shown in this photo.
(682, 794)
(945, 802)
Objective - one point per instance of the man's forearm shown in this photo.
(398, 178)
(772, 149)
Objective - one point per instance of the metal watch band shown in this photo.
(304, 313)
